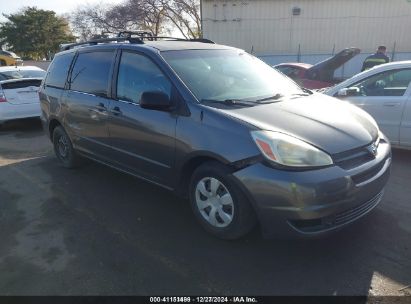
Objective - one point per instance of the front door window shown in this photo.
(389, 83)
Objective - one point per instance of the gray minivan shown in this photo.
(244, 143)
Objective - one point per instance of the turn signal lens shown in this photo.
(266, 149)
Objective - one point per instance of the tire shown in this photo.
(63, 148)
(226, 217)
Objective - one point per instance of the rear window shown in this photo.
(21, 84)
(19, 74)
(91, 72)
(58, 70)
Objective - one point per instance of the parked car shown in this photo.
(208, 122)
(384, 92)
(19, 92)
(9, 58)
(320, 75)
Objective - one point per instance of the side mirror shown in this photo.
(345, 92)
(155, 100)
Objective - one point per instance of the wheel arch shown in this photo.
(195, 160)
(188, 167)
(53, 123)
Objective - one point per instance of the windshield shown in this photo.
(18, 74)
(222, 75)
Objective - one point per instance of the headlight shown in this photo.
(289, 151)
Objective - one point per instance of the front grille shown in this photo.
(368, 174)
(356, 157)
(336, 220)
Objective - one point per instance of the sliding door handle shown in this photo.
(391, 104)
(116, 111)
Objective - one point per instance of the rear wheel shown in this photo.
(218, 203)
(63, 148)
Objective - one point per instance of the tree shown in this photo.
(185, 16)
(158, 17)
(35, 33)
(93, 21)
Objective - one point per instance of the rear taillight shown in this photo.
(2, 96)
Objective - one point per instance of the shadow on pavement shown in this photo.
(22, 126)
(21, 139)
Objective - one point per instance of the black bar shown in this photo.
(204, 299)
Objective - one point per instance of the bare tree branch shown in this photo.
(156, 16)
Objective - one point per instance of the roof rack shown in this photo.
(67, 46)
(149, 36)
(135, 37)
(203, 40)
(140, 34)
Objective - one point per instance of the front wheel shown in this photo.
(218, 203)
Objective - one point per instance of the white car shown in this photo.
(19, 92)
(384, 92)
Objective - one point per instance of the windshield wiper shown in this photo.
(300, 94)
(275, 98)
(247, 102)
(306, 92)
(231, 102)
(309, 92)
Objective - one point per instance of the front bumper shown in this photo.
(310, 203)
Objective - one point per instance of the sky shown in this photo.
(59, 6)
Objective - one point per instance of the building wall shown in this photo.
(267, 27)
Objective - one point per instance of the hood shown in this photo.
(332, 125)
(324, 70)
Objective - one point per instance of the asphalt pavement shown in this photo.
(96, 231)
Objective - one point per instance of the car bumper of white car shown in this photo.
(10, 111)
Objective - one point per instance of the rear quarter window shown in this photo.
(58, 70)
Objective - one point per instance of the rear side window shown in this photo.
(91, 73)
(57, 73)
